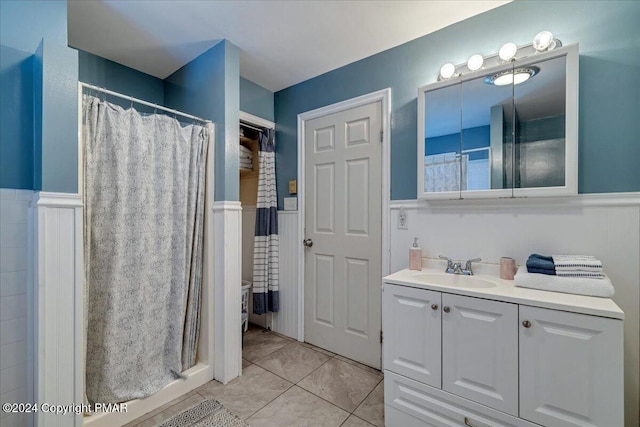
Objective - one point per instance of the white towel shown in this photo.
(569, 285)
(244, 150)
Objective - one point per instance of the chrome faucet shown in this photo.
(456, 267)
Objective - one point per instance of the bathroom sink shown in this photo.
(454, 280)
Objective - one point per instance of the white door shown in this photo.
(343, 209)
(480, 351)
(412, 327)
(571, 369)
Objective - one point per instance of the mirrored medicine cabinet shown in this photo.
(487, 134)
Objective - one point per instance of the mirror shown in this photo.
(482, 135)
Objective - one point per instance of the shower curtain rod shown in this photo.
(140, 101)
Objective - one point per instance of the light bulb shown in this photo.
(543, 41)
(508, 51)
(447, 70)
(475, 62)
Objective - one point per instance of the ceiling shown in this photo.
(281, 42)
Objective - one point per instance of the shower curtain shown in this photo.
(144, 183)
(445, 172)
(265, 251)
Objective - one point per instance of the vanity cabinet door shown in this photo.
(571, 368)
(411, 325)
(480, 351)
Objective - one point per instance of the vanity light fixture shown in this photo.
(544, 41)
(447, 71)
(508, 51)
(475, 62)
(507, 77)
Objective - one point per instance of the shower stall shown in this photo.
(146, 181)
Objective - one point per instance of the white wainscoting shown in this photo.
(227, 220)
(285, 321)
(606, 226)
(57, 301)
(16, 369)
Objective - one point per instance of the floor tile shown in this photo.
(354, 421)
(360, 365)
(245, 363)
(293, 362)
(372, 408)
(259, 344)
(340, 383)
(321, 350)
(297, 407)
(156, 418)
(248, 393)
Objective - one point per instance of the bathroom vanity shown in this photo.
(478, 351)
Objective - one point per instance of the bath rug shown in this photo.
(209, 413)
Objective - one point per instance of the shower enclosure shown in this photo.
(148, 322)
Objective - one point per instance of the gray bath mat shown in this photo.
(209, 413)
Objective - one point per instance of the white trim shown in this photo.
(57, 298)
(226, 205)
(255, 120)
(56, 200)
(384, 96)
(594, 199)
(228, 276)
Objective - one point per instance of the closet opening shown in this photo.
(251, 130)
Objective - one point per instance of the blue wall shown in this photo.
(256, 100)
(101, 72)
(16, 118)
(608, 33)
(209, 87)
(39, 110)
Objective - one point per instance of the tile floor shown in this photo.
(286, 383)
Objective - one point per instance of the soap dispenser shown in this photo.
(415, 256)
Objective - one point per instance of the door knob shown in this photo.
(526, 324)
(446, 309)
(308, 242)
(434, 306)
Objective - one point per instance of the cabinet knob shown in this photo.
(526, 324)
(434, 306)
(446, 309)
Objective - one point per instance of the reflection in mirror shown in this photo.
(443, 169)
(540, 105)
(486, 134)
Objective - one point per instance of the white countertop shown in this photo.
(506, 291)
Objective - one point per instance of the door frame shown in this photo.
(384, 96)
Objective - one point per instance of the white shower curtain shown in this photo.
(445, 172)
(144, 183)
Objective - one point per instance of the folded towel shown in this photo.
(586, 274)
(569, 285)
(577, 262)
(245, 150)
(541, 271)
(541, 262)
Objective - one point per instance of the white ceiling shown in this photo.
(281, 42)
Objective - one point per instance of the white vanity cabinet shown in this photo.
(483, 359)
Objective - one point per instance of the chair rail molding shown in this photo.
(56, 298)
